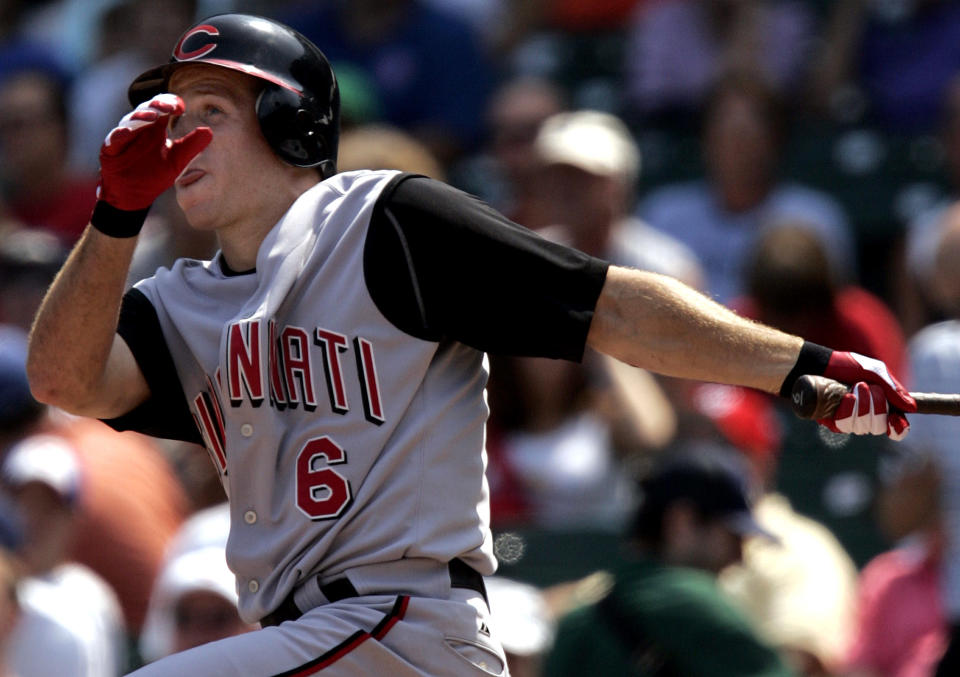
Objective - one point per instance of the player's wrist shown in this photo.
(813, 359)
(115, 222)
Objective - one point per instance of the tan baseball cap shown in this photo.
(594, 141)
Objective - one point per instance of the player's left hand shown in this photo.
(865, 411)
(137, 160)
(877, 402)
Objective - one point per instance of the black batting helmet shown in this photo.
(299, 106)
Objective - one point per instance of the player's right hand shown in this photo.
(137, 160)
(877, 401)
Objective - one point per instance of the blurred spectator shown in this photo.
(563, 439)
(791, 286)
(386, 147)
(39, 188)
(935, 366)
(678, 49)
(664, 610)
(201, 592)
(565, 435)
(29, 260)
(590, 167)
(43, 476)
(504, 174)
(798, 591)
(131, 503)
(522, 622)
(900, 55)
(916, 304)
(429, 67)
(553, 448)
(721, 217)
(901, 630)
(134, 35)
(194, 599)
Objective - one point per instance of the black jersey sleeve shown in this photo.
(165, 413)
(441, 264)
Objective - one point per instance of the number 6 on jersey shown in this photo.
(322, 493)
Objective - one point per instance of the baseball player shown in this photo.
(331, 356)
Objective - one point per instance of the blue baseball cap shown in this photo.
(711, 479)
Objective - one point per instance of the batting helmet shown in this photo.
(299, 106)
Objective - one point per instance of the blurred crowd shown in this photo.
(798, 160)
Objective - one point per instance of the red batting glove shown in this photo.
(137, 160)
(877, 401)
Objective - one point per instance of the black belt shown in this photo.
(462, 575)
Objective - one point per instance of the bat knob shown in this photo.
(816, 397)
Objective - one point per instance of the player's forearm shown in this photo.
(75, 327)
(76, 360)
(655, 322)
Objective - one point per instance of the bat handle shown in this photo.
(816, 397)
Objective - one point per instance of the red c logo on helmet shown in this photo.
(180, 55)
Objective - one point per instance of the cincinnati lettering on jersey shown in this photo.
(285, 375)
(208, 416)
(288, 379)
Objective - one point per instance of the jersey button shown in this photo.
(250, 517)
(253, 585)
(246, 430)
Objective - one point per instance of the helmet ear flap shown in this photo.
(293, 129)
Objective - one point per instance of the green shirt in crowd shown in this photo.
(661, 620)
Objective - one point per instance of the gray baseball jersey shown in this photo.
(339, 386)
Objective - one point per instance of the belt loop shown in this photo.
(462, 575)
(288, 610)
(308, 594)
(338, 589)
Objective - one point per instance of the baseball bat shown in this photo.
(816, 397)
